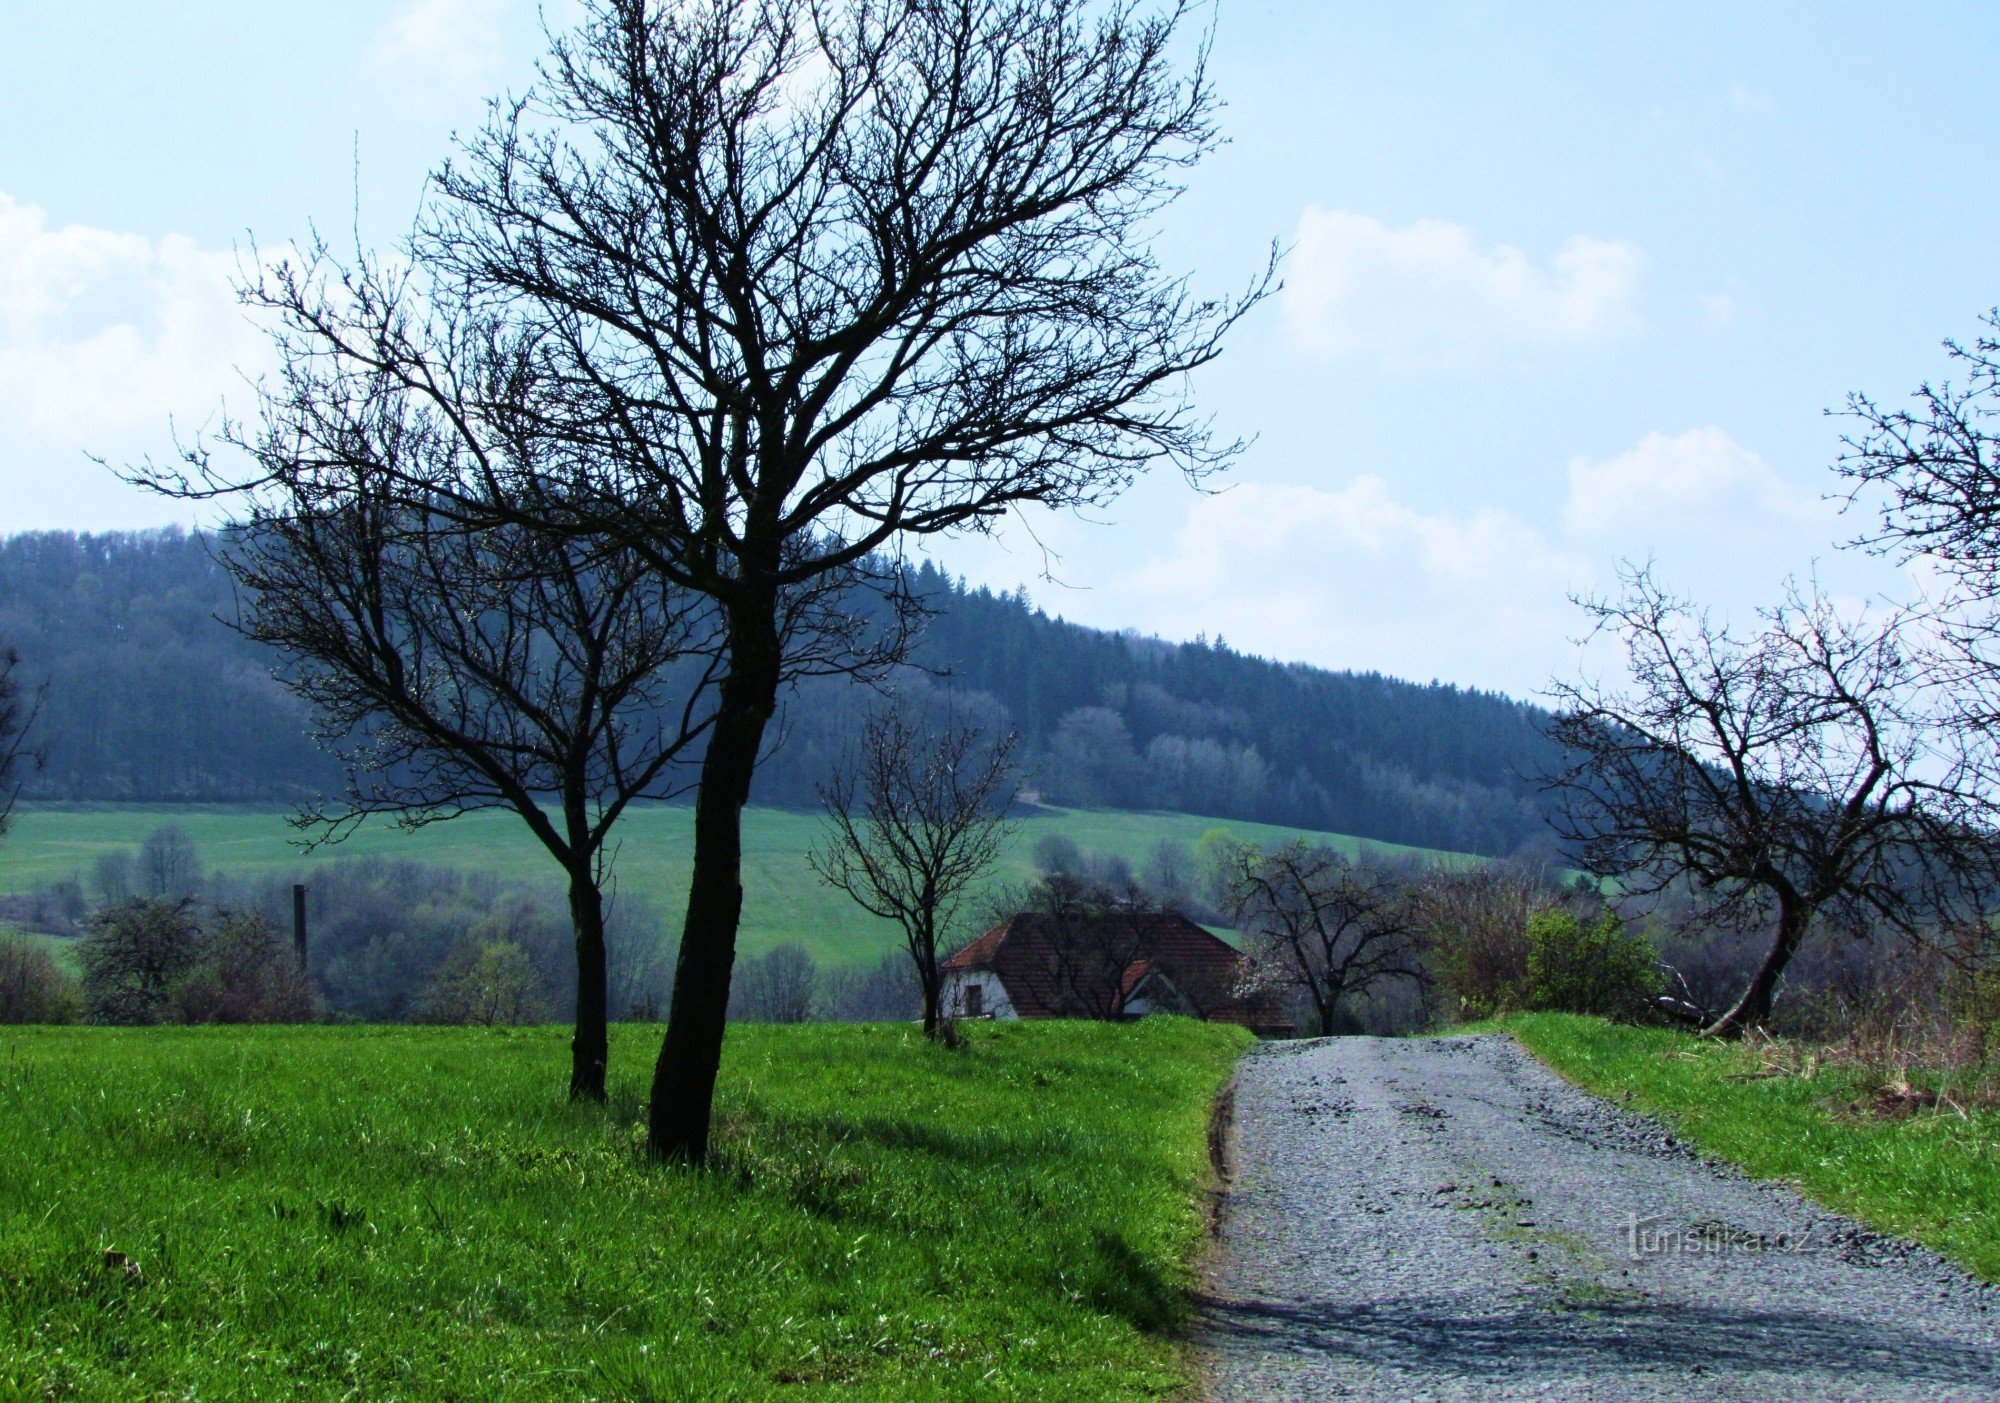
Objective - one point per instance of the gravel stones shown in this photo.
(1445, 1219)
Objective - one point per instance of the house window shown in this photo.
(975, 1000)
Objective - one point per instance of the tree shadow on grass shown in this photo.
(1114, 1278)
(1433, 1333)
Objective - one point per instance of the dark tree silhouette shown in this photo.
(917, 818)
(804, 278)
(457, 670)
(1801, 775)
(17, 719)
(1319, 924)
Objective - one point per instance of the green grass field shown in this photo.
(1933, 1176)
(418, 1214)
(783, 900)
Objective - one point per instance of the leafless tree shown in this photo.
(810, 277)
(1090, 936)
(168, 864)
(779, 986)
(1937, 465)
(917, 818)
(456, 670)
(1321, 925)
(1932, 469)
(17, 719)
(1802, 775)
(1473, 925)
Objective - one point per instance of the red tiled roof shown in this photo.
(1087, 967)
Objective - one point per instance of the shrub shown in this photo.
(242, 973)
(1600, 966)
(135, 955)
(34, 988)
(1473, 924)
(485, 981)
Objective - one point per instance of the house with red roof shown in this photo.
(1110, 964)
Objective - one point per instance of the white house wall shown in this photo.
(993, 995)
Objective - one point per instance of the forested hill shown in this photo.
(150, 698)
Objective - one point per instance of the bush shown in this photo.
(1600, 966)
(1473, 925)
(34, 988)
(135, 956)
(243, 973)
(485, 981)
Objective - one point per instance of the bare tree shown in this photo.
(1937, 463)
(169, 864)
(917, 818)
(1473, 925)
(809, 277)
(455, 670)
(17, 719)
(1318, 924)
(1932, 469)
(1089, 938)
(1802, 775)
(779, 986)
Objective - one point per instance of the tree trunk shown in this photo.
(1794, 916)
(1325, 1012)
(690, 1056)
(590, 1044)
(933, 985)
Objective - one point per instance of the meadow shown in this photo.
(1842, 1133)
(404, 1213)
(783, 899)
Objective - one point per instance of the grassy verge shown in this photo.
(417, 1214)
(1932, 1174)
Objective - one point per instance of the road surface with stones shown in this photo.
(1444, 1219)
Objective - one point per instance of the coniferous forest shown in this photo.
(151, 696)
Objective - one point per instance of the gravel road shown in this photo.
(1447, 1219)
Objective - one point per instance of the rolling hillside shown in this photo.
(784, 901)
(152, 699)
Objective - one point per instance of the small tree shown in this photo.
(1320, 925)
(779, 986)
(917, 819)
(486, 982)
(33, 987)
(168, 866)
(1473, 925)
(17, 719)
(1092, 935)
(243, 972)
(135, 957)
(1804, 774)
(455, 671)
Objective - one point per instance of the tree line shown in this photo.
(153, 697)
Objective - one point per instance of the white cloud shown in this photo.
(1353, 284)
(1699, 478)
(1354, 578)
(104, 336)
(457, 41)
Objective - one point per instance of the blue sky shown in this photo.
(1567, 285)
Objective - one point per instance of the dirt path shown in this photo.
(1446, 1219)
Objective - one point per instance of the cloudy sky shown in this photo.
(1566, 284)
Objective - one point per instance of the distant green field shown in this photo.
(404, 1213)
(783, 900)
